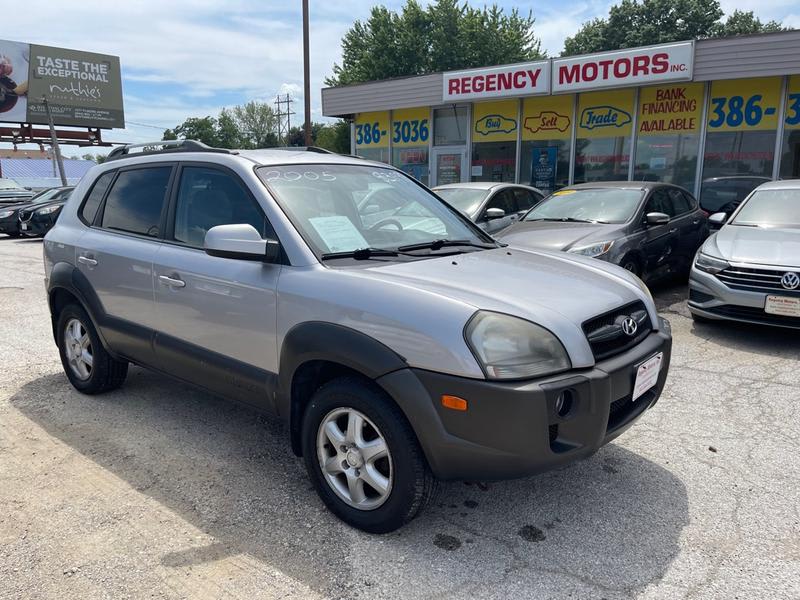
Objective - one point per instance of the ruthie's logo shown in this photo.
(547, 120)
(495, 124)
(596, 117)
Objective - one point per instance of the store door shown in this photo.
(449, 165)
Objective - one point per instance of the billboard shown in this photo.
(83, 89)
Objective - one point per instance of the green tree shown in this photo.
(297, 135)
(257, 124)
(443, 36)
(335, 138)
(195, 128)
(641, 22)
(228, 133)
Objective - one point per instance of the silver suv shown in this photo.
(399, 352)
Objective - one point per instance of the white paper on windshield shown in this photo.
(338, 233)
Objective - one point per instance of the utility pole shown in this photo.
(54, 142)
(283, 134)
(306, 82)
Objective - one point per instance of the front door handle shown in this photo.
(87, 260)
(696, 221)
(178, 283)
(674, 230)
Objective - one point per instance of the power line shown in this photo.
(145, 125)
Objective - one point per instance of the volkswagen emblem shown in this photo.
(790, 280)
(629, 326)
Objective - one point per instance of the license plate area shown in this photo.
(783, 306)
(647, 375)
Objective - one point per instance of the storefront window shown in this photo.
(450, 126)
(410, 135)
(546, 135)
(372, 135)
(790, 157)
(603, 145)
(668, 128)
(742, 123)
(494, 141)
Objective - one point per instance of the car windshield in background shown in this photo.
(771, 208)
(8, 184)
(465, 200)
(47, 195)
(601, 205)
(345, 208)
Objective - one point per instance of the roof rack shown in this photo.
(316, 149)
(163, 147)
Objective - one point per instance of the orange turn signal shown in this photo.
(454, 402)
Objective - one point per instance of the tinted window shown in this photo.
(525, 198)
(503, 200)
(94, 198)
(680, 202)
(660, 202)
(135, 201)
(207, 198)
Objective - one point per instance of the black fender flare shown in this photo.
(321, 341)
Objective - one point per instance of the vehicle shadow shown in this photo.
(607, 526)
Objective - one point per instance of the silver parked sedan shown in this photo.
(750, 270)
(491, 206)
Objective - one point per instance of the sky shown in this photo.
(190, 58)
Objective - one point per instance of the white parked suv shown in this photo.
(397, 354)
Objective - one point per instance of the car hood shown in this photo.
(557, 235)
(552, 289)
(7, 196)
(767, 246)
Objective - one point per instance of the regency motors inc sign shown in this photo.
(82, 88)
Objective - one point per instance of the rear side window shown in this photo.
(207, 198)
(92, 202)
(136, 200)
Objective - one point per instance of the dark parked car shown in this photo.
(11, 192)
(649, 228)
(725, 194)
(9, 214)
(491, 206)
(36, 220)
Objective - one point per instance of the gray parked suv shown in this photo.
(396, 355)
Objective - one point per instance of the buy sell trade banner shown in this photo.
(547, 118)
(792, 120)
(411, 127)
(744, 104)
(670, 109)
(372, 130)
(494, 121)
(605, 114)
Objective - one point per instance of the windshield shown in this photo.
(47, 195)
(465, 200)
(343, 208)
(771, 208)
(7, 184)
(606, 205)
(726, 194)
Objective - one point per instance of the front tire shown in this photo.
(363, 457)
(631, 263)
(89, 368)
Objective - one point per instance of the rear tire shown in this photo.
(345, 424)
(89, 368)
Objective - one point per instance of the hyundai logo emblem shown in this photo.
(629, 326)
(790, 280)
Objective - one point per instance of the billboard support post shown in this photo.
(54, 142)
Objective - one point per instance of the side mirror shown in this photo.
(656, 218)
(719, 219)
(242, 242)
(494, 213)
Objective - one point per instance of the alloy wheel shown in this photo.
(78, 348)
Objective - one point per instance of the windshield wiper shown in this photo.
(360, 253)
(439, 244)
(567, 220)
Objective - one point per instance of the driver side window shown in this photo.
(660, 202)
(503, 200)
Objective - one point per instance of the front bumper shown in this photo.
(512, 429)
(37, 226)
(9, 225)
(712, 299)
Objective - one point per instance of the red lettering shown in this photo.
(589, 72)
(660, 63)
(568, 74)
(519, 79)
(491, 82)
(454, 86)
(622, 68)
(466, 85)
(605, 64)
(640, 65)
(504, 81)
(533, 76)
(478, 83)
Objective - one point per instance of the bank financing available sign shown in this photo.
(83, 89)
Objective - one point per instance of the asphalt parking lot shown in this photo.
(158, 490)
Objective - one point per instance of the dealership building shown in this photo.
(680, 113)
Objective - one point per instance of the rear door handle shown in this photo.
(178, 283)
(696, 221)
(674, 230)
(87, 260)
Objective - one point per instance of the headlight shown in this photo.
(6, 213)
(710, 264)
(49, 210)
(511, 348)
(593, 250)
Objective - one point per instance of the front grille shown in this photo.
(755, 280)
(751, 313)
(25, 215)
(622, 410)
(606, 334)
